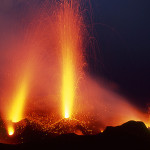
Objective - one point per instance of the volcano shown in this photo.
(28, 130)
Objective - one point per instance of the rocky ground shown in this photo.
(129, 136)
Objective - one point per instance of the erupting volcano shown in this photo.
(67, 41)
(50, 91)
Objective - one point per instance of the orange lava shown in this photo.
(11, 130)
(70, 40)
(44, 71)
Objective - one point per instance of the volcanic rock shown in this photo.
(129, 136)
(130, 128)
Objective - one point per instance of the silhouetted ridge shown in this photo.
(131, 128)
(128, 136)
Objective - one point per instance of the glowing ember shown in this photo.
(11, 130)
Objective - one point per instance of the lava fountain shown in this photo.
(59, 29)
(10, 130)
(16, 110)
(22, 73)
(16, 113)
(70, 22)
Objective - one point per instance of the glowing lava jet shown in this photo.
(10, 130)
(69, 22)
(16, 108)
(16, 113)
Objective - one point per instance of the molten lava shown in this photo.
(71, 50)
(53, 49)
(16, 113)
(16, 108)
(10, 130)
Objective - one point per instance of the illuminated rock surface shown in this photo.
(66, 126)
(131, 135)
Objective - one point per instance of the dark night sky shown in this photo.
(124, 40)
(122, 32)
